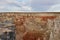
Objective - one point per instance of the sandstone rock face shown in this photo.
(31, 26)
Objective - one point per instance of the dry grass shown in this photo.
(31, 25)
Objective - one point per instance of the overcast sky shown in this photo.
(29, 5)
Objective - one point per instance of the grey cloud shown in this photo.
(14, 5)
(43, 5)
